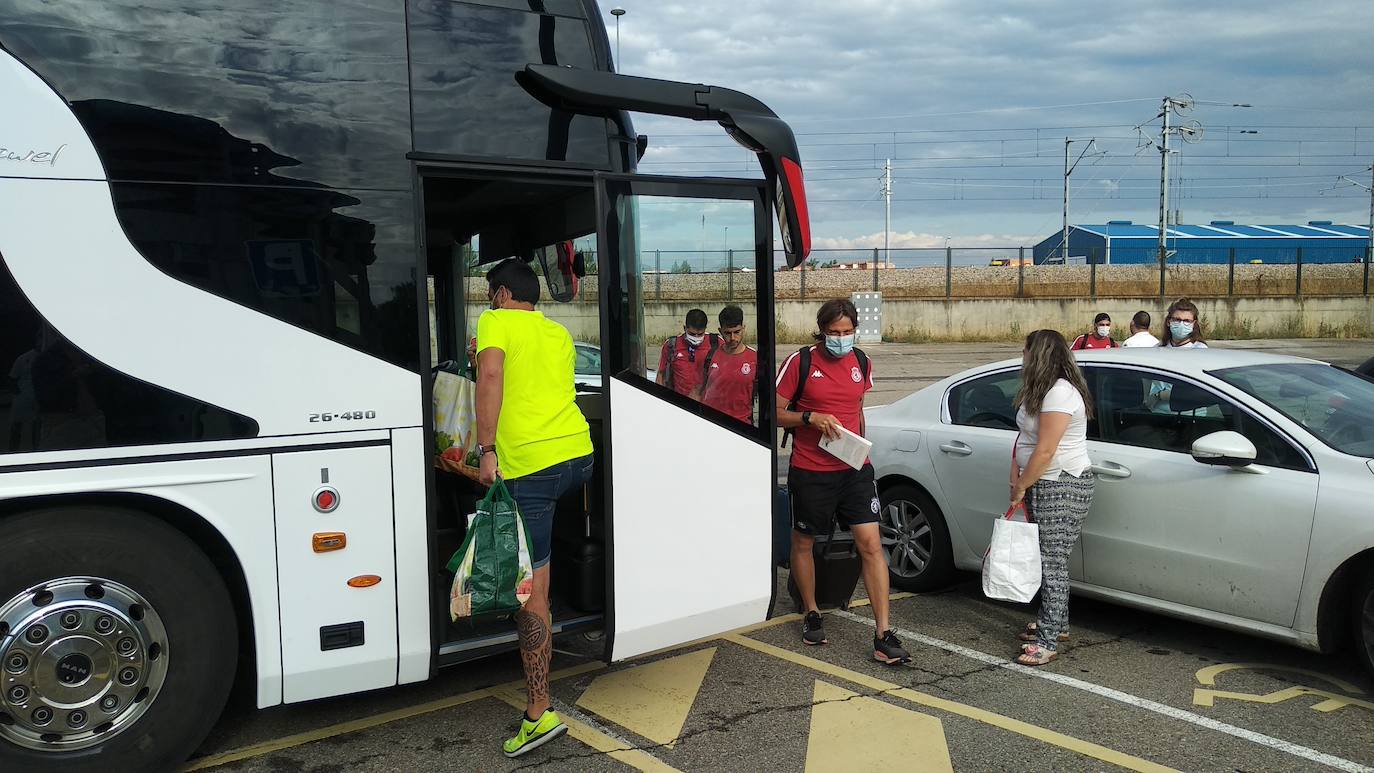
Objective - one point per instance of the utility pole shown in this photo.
(1164, 179)
(887, 220)
(1068, 170)
(1370, 190)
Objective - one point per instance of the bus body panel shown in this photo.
(233, 495)
(688, 562)
(322, 591)
(188, 341)
(414, 615)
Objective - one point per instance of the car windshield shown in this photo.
(1333, 404)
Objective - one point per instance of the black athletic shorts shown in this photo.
(818, 497)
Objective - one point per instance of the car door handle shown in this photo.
(956, 448)
(1111, 470)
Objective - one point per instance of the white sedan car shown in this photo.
(1233, 488)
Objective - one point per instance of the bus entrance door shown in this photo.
(691, 466)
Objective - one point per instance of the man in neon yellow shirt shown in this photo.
(530, 433)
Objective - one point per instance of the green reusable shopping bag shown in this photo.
(491, 571)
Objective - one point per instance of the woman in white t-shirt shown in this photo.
(1052, 475)
(1182, 326)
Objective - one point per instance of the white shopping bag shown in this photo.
(1011, 567)
(455, 416)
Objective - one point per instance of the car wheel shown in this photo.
(1362, 620)
(117, 642)
(915, 538)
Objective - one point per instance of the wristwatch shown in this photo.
(806, 418)
(484, 450)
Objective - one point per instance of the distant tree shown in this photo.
(682, 268)
(830, 264)
(812, 264)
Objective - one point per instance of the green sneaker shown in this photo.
(533, 735)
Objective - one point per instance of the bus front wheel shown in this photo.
(117, 642)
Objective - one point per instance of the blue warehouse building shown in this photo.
(1121, 241)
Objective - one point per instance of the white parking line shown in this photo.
(1261, 739)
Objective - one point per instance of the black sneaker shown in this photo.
(887, 649)
(813, 632)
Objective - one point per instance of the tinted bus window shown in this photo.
(463, 60)
(56, 398)
(340, 265)
(316, 90)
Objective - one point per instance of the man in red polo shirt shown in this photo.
(731, 375)
(822, 487)
(683, 357)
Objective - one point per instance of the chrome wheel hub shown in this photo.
(906, 538)
(81, 659)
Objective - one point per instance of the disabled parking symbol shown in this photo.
(1331, 701)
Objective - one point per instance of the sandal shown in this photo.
(1035, 655)
(1029, 633)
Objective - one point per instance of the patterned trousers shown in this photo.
(1058, 507)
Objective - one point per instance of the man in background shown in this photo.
(682, 360)
(731, 374)
(1140, 331)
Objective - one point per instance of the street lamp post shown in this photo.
(617, 13)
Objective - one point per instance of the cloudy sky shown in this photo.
(973, 102)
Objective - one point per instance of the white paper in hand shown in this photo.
(849, 448)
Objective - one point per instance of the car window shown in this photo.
(1160, 411)
(588, 361)
(986, 401)
(1334, 405)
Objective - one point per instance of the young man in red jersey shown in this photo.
(681, 361)
(731, 377)
(833, 377)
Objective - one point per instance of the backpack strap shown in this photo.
(803, 373)
(670, 346)
(710, 355)
(863, 362)
(1080, 343)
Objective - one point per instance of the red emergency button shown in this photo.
(326, 499)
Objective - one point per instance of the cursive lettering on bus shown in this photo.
(48, 157)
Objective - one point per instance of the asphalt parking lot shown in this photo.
(1130, 690)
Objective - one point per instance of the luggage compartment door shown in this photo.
(689, 487)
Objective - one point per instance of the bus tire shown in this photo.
(122, 645)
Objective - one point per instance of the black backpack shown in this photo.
(804, 374)
(671, 346)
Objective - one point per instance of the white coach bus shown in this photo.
(228, 234)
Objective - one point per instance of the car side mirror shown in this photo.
(1227, 448)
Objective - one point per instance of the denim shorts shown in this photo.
(537, 497)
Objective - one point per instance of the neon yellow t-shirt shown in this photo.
(540, 424)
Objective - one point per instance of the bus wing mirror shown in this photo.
(750, 122)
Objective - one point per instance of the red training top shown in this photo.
(835, 386)
(687, 363)
(1086, 341)
(730, 384)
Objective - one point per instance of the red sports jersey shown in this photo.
(835, 386)
(730, 383)
(686, 361)
(1086, 341)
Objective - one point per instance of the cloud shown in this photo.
(910, 240)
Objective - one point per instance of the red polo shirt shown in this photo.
(730, 383)
(835, 386)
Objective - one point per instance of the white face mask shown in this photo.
(1103, 331)
(694, 340)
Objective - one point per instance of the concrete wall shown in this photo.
(1011, 319)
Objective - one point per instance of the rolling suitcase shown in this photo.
(782, 527)
(837, 570)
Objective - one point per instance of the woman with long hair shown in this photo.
(1052, 476)
(1183, 326)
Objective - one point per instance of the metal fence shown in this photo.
(991, 272)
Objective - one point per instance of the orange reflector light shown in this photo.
(325, 541)
(364, 581)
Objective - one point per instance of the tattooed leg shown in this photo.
(535, 626)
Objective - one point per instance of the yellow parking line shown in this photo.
(1078, 745)
(355, 725)
(635, 758)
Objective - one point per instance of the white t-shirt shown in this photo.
(1143, 338)
(1072, 454)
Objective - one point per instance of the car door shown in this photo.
(1167, 527)
(690, 489)
(971, 453)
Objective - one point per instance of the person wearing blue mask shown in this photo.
(820, 390)
(1182, 326)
